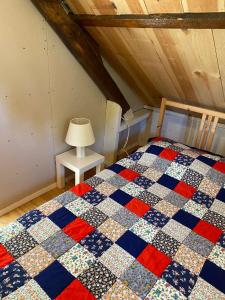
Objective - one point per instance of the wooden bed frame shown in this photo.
(208, 125)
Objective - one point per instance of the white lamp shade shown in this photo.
(80, 133)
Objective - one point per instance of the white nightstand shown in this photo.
(69, 160)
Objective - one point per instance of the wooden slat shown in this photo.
(83, 47)
(196, 109)
(206, 132)
(183, 20)
(212, 133)
(200, 130)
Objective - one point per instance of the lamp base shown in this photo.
(80, 152)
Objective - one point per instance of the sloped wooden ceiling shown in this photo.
(178, 63)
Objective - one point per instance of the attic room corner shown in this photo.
(42, 87)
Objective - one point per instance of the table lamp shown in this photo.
(80, 135)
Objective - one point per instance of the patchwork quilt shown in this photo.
(151, 226)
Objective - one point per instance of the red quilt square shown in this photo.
(208, 231)
(157, 139)
(154, 260)
(169, 154)
(220, 166)
(138, 207)
(5, 257)
(78, 229)
(129, 174)
(185, 189)
(81, 189)
(75, 290)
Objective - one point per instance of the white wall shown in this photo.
(42, 87)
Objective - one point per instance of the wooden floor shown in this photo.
(16, 213)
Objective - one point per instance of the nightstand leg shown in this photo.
(60, 171)
(98, 169)
(78, 177)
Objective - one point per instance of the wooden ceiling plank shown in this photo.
(203, 5)
(166, 64)
(80, 6)
(163, 6)
(147, 58)
(135, 63)
(83, 47)
(166, 39)
(219, 38)
(177, 20)
(198, 73)
(119, 63)
(110, 48)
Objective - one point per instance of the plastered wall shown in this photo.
(42, 87)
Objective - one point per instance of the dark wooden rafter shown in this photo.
(83, 47)
(171, 20)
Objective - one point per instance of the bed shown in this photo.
(151, 226)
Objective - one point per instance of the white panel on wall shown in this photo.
(41, 88)
(26, 161)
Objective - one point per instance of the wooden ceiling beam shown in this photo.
(165, 20)
(83, 47)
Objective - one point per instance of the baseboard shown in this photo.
(28, 198)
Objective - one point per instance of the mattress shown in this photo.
(151, 226)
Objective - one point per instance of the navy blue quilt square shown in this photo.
(31, 218)
(222, 240)
(143, 182)
(156, 218)
(186, 219)
(213, 275)
(121, 197)
(135, 156)
(131, 243)
(96, 243)
(221, 195)
(208, 161)
(203, 199)
(62, 217)
(94, 197)
(180, 278)
(116, 168)
(54, 279)
(154, 149)
(184, 160)
(168, 181)
(12, 277)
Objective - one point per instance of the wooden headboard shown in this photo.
(207, 128)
